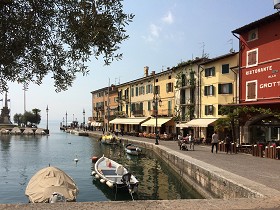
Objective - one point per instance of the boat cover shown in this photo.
(49, 180)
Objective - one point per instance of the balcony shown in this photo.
(188, 83)
(138, 113)
(162, 113)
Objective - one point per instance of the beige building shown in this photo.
(218, 86)
(136, 100)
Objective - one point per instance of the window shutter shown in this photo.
(219, 88)
(230, 88)
(167, 89)
(205, 90)
(206, 110)
(141, 106)
(212, 88)
(171, 87)
(213, 71)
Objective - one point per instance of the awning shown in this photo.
(152, 122)
(202, 122)
(96, 124)
(129, 120)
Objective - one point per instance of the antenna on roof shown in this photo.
(231, 43)
(203, 45)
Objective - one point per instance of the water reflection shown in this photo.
(22, 156)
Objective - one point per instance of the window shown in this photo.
(169, 87)
(251, 90)
(209, 109)
(157, 89)
(210, 72)
(252, 35)
(225, 88)
(169, 77)
(225, 68)
(209, 90)
(136, 91)
(252, 58)
(141, 90)
(126, 91)
(132, 92)
(149, 105)
(149, 88)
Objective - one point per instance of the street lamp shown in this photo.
(84, 117)
(47, 110)
(66, 121)
(156, 101)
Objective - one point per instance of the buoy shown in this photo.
(110, 184)
(96, 176)
(93, 173)
(76, 159)
(94, 159)
(102, 181)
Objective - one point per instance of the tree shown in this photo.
(28, 117)
(57, 37)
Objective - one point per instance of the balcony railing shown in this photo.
(138, 113)
(162, 112)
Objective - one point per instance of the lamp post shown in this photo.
(47, 110)
(84, 118)
(66, 121)
(156, 101)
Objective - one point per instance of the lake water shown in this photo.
(22, 156)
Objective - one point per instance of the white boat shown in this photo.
(114, 175)
(110, 139)
(132, 149)
(51, 185)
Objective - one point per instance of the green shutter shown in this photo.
(219, 88)
(230, 88)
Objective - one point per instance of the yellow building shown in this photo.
(102, 110)
(218, 86)
(135, 100)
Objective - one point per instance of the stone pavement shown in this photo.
(260, 170)
(260, 173)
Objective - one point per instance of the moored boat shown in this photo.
(114, 175)
(132, 149)
(51, 185)
(110, 139)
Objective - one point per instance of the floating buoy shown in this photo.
(110, 184)
(94, 159)
(76, 159)
(93, 173)
(102, 181)
(96, 176)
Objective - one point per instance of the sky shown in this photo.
(163, 34)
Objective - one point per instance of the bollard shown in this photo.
(261, 149)
(254, 150)
(266, 152)
(278, 152)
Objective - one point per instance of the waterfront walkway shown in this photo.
(260, 170)
(262, 174)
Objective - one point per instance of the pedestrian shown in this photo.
(122, 131)
(227, 143)
(191, 141)
(215, 141)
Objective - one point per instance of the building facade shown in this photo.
(259, 77)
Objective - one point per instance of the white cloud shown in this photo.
(168, 18)
(154, 30)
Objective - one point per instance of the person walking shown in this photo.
(215, 141)
(227, 144)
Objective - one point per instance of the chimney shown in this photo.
(153, 73)
(146, 71)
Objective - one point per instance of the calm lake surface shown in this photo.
(22, 156)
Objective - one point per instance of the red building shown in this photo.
(259, 76)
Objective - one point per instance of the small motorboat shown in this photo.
(110, 139)
(114, 175)
(132, 149)
(51, 185)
